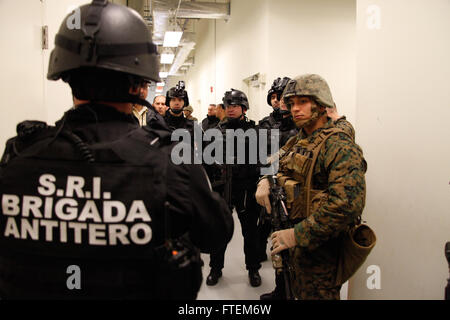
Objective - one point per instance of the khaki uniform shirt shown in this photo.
(141, 115)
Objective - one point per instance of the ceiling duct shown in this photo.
(189, 62)
(194, 9)
(144, 7)
(164, 9)
(161, 15)
(182, 54)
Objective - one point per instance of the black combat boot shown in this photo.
(213, 277)
(274, 295)
(254, 278)
(279, 293)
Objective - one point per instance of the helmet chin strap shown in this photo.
(238, 120)
(177, 112)
(315, 115)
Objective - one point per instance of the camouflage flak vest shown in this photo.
(297, 160)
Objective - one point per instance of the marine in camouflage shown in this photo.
(339, 171)
(339, 174)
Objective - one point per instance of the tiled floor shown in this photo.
(234, 285)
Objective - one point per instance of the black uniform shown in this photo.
(244, 178)
(180, 122)
(276, 121)
(287, 129)
(98, 192)
(210, 122)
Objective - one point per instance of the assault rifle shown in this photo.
(280, 221)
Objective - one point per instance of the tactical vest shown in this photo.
(243, 175)
(297, 161)
(106, 217)
(180, 122)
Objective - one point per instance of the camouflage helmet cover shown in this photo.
(311, 85)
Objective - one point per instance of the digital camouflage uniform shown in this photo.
(339, 176)
(346, 126)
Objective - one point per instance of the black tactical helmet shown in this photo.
(111, 37)
(177, 92)
(235, 97)
(278, 86)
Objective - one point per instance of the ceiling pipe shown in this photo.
(158, 13)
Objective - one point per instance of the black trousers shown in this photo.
(243, 199)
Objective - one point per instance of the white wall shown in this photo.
(24, 89)
(21, 65)
(226, 53)
(58, 95)
(276, 38)
(315, 37)
(403, 95)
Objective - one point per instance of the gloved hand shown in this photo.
(262, 194)
(282, 240)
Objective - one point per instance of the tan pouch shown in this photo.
(290, 186)
(296, 164)
(356, 244)
(300, 166)
(295, 198)
(286, 161)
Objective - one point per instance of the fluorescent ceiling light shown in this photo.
(167, 58)
(160, 84)
(163, 74)
(172, 38)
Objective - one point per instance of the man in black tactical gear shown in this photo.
(98, 194)
(177, 99)
(211, 121)
(243, 187)
(280, 119)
